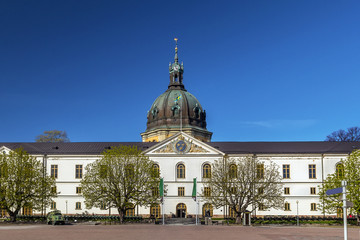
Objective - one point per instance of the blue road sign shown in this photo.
(334, 191)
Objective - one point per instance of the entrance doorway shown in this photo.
(181, 210)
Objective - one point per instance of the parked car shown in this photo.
(55, 217)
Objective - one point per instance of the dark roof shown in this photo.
(285, 147)
(75, 148)
(90, 148)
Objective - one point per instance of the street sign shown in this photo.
(334, 191)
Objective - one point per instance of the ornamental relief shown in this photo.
(197, 149)
(165, 149)
(181, 146)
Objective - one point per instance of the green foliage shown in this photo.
(23, 182)
(242, 187)
(351, 173)
(53, 136)
(122, 179)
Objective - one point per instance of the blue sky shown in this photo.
(263, 70)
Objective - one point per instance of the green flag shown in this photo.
(161, 187)
(194, 195)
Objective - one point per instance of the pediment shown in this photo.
(4, 149)
(182, 144)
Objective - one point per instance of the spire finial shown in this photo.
(176, 50)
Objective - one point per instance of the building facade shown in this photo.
(177, 140)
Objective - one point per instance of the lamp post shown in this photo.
(66, 207)
(297, 212)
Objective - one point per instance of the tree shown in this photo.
(121, 179)
(245, 182)
(351, 135)
(349, 170)
(23, 183)
(53, 136)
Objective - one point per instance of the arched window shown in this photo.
(340, 170)
(233, 171)
(206, 171)
(155, 211)
(156, 170)
(130, 212)
(207, 207)
(180, 171)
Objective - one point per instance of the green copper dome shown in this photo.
(165, 111)
(176, 110)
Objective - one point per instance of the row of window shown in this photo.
(287, 207)
(78, 171)
(154, 209)
(312, 171)
(78, 190)
(207, 191)
(206, 171)
(287, 190)
(77, 205)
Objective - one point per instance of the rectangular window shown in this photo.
(181, 191)
(233, 190)
(286, 191)
(3, 212)
(313, 206)
(261, 191)
(78, 190)
(260, 171)
(103, 171)
(155, 192)
(312, 191)
(53, 205)
(261, 207)
(78, 171)
(27, 211)
(78, 205)
(53, 189)
(102, 206)
(312, 171)
(287, 207)
(207, 191)
(3, 172)
(286, 171)
(54, 171)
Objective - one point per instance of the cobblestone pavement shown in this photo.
(173, 232)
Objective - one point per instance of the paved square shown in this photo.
(174, 232)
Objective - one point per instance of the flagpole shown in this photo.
(163, 215)
(197, 205)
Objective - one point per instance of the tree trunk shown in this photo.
(238, 219)
(121, 215)
(13, 215)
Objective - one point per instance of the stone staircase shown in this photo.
(180, 221)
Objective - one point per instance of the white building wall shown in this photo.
(299, 182)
